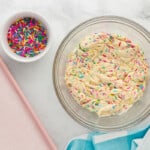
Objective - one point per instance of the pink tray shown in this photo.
(20, 128)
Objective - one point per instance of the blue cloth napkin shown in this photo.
(123, 140)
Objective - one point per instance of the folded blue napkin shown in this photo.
(122, 140)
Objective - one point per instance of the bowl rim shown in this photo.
(15, 16)
(74, 116)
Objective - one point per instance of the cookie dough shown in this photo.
(106, 74)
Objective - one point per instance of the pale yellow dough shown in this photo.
(106, 74)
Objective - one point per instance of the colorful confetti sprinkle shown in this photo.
(27, 37)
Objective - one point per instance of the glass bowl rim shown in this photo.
(109, 18)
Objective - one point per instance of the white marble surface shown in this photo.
(35, 79)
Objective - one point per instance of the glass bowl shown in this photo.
(108, 24)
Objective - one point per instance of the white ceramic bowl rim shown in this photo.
(12, 19)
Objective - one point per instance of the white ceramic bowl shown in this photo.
(11, 20)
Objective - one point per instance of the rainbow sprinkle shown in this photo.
(27, 37)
